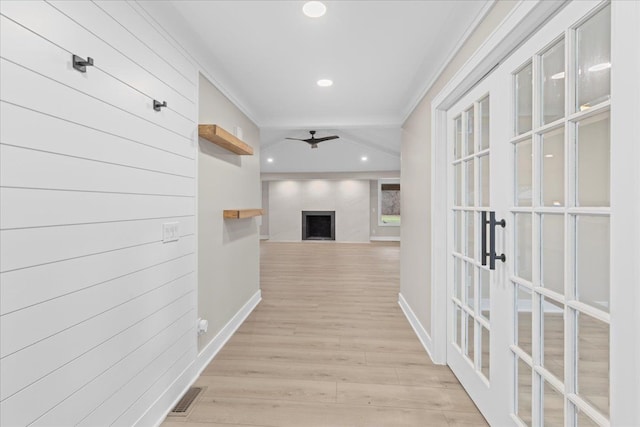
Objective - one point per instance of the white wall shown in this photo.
(415, 252)
(98, 314)
(228, 250)
(349, 198)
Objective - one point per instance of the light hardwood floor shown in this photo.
(328, 346)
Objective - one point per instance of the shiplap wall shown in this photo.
(97, 314)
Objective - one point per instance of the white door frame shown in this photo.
(625, 265)
(523, 20)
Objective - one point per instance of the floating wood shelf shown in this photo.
(242, 213)
(224, 139)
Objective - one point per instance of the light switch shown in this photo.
(170, 232)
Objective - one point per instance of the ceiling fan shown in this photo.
(313, 141)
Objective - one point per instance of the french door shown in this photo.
(477, 321)
(529, 249)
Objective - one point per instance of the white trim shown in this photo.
(439, 235)
(379, 212)
(371, 175)
(264, 237)
(384, 238)
(158, 411)
(625, 205)
(427, 87)
(167, 12)
(215, 345)
(420, 331)
(519, 24)
(324, 242)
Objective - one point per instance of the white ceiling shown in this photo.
(381, 56)
(380, 146)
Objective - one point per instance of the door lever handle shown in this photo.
(491, 253)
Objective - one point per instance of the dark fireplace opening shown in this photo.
(318, 225)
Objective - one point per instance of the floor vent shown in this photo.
(184, 406)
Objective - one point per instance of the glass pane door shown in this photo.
(560, 210)
(471, 299)
(555, 320)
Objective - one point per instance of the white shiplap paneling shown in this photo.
(24, 87)
(30, 247)
(41, 56)
(24, 287)
(48, 22)
(91, 17)
(165, 349)
(24, 208)
(73, 139)
(97, 314)
(37, 169)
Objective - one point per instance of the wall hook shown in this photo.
(81, 64)
(157, 106)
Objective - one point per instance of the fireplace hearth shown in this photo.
(318, 225)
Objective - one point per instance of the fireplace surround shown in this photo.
(318, 225)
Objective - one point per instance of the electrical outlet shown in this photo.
(170, 232)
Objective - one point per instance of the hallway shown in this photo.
(328, 346)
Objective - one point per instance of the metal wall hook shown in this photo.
(81, 64)
(157, 105)
(491, 253)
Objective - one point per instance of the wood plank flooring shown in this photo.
(328, 346)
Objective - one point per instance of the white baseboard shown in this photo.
(420, 331)
(264, 237)
(158, 411)
(320, 241)
(163, 405)
(384, 238)
(209, 352)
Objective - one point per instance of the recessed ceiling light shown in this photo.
(548, 156)
(314, 9)
(270, 160)
(325, 82)
(364, 158)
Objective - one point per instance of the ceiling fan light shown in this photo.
(314, 9)
(325, 82)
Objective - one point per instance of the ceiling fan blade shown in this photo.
(327, 138)
(296, 139)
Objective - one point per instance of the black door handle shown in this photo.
(491, 253)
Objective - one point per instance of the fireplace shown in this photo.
(318, 225)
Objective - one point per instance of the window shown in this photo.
(389, 202)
